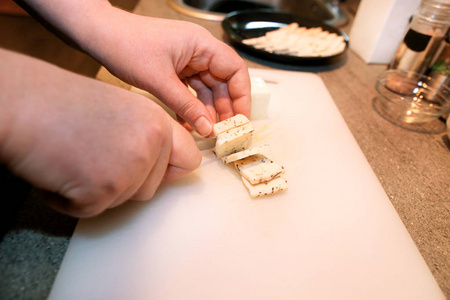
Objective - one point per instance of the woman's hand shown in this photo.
(157, 55)
(162, 56)
(94, 146)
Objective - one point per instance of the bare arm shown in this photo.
(157, 55)
(91, 145)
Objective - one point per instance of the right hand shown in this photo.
(91, 145)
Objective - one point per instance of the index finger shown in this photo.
(230, 67)
(240, 92)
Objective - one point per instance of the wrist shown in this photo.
(10, 97)
(100, 39)
(8, 101)
(92, 31)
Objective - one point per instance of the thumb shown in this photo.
(177, 97)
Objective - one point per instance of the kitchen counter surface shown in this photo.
(411, 163)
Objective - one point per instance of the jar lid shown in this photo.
(435, 11)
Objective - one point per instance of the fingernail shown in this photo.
(203, 126)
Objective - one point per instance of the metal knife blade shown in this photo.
(206, 143)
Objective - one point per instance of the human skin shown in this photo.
(156, 55)
(91, 146)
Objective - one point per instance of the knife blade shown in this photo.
(206, 143)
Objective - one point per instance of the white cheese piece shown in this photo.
(233, 140)
(245, 153)
(260, 94)
(267, 188)
(254, 41)
(235, 121)
(258, 168)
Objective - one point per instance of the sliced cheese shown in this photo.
(260, 93)
(234, 140)
(258, 168)
(260, 175)
(235, 121)
(267, 188)
(299, 41)
(246, 153)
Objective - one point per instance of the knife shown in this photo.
(206, 143)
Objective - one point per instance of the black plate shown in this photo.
(240, 25)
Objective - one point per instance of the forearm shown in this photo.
(75, 22)
(60, 132)
(156, 55)
(10, 97)
(25, 83)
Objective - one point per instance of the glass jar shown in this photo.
(440, 69)
(427, 29)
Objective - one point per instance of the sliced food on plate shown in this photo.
(299, 41)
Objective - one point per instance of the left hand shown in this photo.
(162, 56)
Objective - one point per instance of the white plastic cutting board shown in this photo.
(333, 235)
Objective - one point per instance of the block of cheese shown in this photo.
(234, 140)
(260, 94)
(245, 153)
(235, 121)
(258, 168)
(267, 188)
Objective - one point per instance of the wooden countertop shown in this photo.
(411, 163)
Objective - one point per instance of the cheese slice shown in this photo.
(267, 188)
(299, 41)
(234, 140)
(235, 121)
(258, 168)
(246, 153)
(260, 175)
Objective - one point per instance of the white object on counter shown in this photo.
(379, 27)
(260, 98)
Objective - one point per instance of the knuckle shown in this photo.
(91, 198)
(188, 110)
(144, 195)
